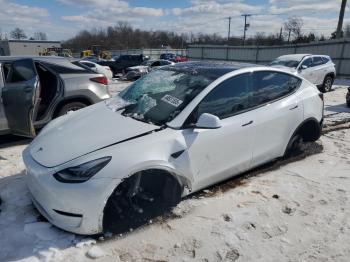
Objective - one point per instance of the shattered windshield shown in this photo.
(159, 96)
(287, 63)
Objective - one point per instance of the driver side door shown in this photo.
(20, 96)
(217, 154)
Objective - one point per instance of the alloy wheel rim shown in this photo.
(328, 84)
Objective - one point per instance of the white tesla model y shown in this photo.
(173, 132)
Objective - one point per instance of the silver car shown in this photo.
(34, 90)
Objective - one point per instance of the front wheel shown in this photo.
(327, 84)
(73, 106)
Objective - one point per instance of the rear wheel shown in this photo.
(294, 146)
(140, 198)
(327, 84)
(73, 106)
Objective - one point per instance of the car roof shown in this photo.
(297, 57)
(40, 58)
(214, 68)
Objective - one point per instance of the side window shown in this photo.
(317, 61)
(156, 63)
(307, 62)
(268, 86)
(21, 70)
(228, 98)
(325, 59)
(89, 65)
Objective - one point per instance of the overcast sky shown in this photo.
(61, 19)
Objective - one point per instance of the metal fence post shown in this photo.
(257, 54)
(202, 56)
(341, 56)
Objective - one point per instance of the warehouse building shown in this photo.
(25, 47)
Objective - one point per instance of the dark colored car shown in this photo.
(123, 62)
(348, 97)
(168, 56)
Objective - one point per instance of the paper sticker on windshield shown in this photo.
(172, 100)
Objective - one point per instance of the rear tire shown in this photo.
(327, 84)
(73, 106)
(294, 146)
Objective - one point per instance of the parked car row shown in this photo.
(173, 57)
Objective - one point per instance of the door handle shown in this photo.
(249, 123)
(295, 107)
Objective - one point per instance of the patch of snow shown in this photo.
(95, 252)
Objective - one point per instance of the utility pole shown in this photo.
(341, 18)
(229, 29)
(246, 25)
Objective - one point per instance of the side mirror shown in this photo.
(303, 67)
(208, 121)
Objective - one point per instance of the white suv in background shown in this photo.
(318, 69)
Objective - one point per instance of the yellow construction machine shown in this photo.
(97, 52)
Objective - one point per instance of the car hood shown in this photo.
(82, 132)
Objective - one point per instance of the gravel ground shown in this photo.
(291, 210)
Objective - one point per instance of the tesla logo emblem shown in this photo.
(39, 150)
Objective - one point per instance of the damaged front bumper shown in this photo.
(76, 208)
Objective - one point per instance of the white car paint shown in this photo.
(98, 68)
(236, 144)
(315, 73)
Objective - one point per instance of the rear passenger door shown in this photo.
(278, 113)
(320, 70)
(20, 96)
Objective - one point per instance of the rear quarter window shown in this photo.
(269, 86)
(325, 59)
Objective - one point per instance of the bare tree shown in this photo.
(18, 33)
(293, 26)
(40, 36)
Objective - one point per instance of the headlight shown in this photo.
(142, 70)
(83, 172)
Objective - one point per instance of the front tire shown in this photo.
(73, 106)
(327, 84)
(156, 194)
